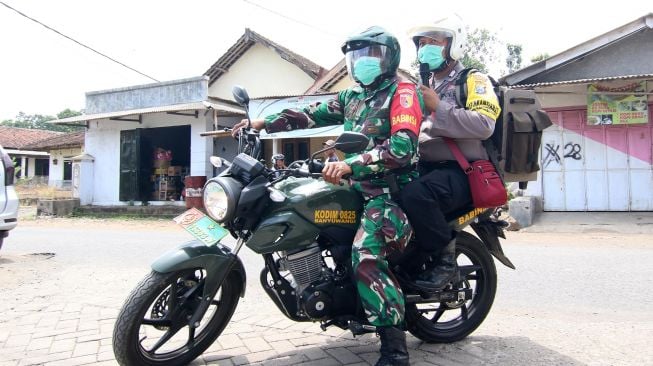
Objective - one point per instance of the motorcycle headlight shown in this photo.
(221, 196)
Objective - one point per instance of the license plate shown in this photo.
(201, 226)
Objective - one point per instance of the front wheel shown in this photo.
(152, 326)
(447, 322)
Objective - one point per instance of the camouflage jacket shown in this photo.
(390, 116)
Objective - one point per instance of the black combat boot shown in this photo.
(394, 351)
(445, 271)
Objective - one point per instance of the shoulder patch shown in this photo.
(481, 97)
(405, 111)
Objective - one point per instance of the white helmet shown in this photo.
(451, 26)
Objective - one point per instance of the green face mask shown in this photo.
(367, 69)
(431, 54)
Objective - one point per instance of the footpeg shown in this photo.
(357, 328)
(463, 271)
(448, 296)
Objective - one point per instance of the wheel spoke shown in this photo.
(191, 336)
(157, 322)
(464, 312)
(437, 315)
(166, 337)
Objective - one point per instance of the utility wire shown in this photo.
(79, 43)
(293, 19)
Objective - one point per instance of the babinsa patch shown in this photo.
(405, 112)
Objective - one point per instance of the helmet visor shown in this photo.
(378, 51)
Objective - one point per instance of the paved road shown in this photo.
(575, 299)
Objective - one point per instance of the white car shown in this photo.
(8, 196)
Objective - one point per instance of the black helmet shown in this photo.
(376, 42)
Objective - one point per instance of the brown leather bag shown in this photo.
(484, 182)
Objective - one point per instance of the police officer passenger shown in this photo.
(443, 186)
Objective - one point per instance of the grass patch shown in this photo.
(119, 216)
(28, 189)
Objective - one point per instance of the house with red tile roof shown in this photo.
(33, 163)
(61, 149)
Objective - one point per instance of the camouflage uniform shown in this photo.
(390, 115)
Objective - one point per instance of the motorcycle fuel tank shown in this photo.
(310, 207)
(321, 203)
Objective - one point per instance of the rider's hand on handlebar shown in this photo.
(333, 171)
(257, 124)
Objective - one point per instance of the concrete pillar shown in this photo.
(23, 168)
(83, 176)
(522, 209)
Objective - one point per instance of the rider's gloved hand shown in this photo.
(257, 124)
(334, 171)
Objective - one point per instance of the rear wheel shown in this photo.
(152, 326)
(447, 322)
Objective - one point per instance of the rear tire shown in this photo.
(450, 322)
(150, 311)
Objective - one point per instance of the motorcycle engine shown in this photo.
(316, 285)
(306, 266)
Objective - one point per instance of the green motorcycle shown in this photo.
(303, 227)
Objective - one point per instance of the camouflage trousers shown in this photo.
(384, 228)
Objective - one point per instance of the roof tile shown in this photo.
(17, 138)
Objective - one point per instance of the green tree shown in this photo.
(514, 58)
(539, 57)
(484, 51)
(482, 47)
(39, 122)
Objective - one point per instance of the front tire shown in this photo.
(448, 322)
(152, 326)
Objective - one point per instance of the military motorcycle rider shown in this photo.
(390, 113)
(443, 186)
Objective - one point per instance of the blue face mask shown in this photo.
(367, 69)
(431, 54)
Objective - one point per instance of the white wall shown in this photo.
(102, 141)
(31, 167)
(201, 147)
(55, 174)
(263, 73)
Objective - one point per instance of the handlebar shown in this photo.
(314, 171)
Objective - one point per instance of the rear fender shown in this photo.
(489, 232)
(216, 259)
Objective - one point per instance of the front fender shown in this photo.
(217, 260)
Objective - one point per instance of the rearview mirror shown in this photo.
(240, 95)
(351, 142)
(218, 162)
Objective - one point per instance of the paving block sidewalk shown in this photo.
(53, 317)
